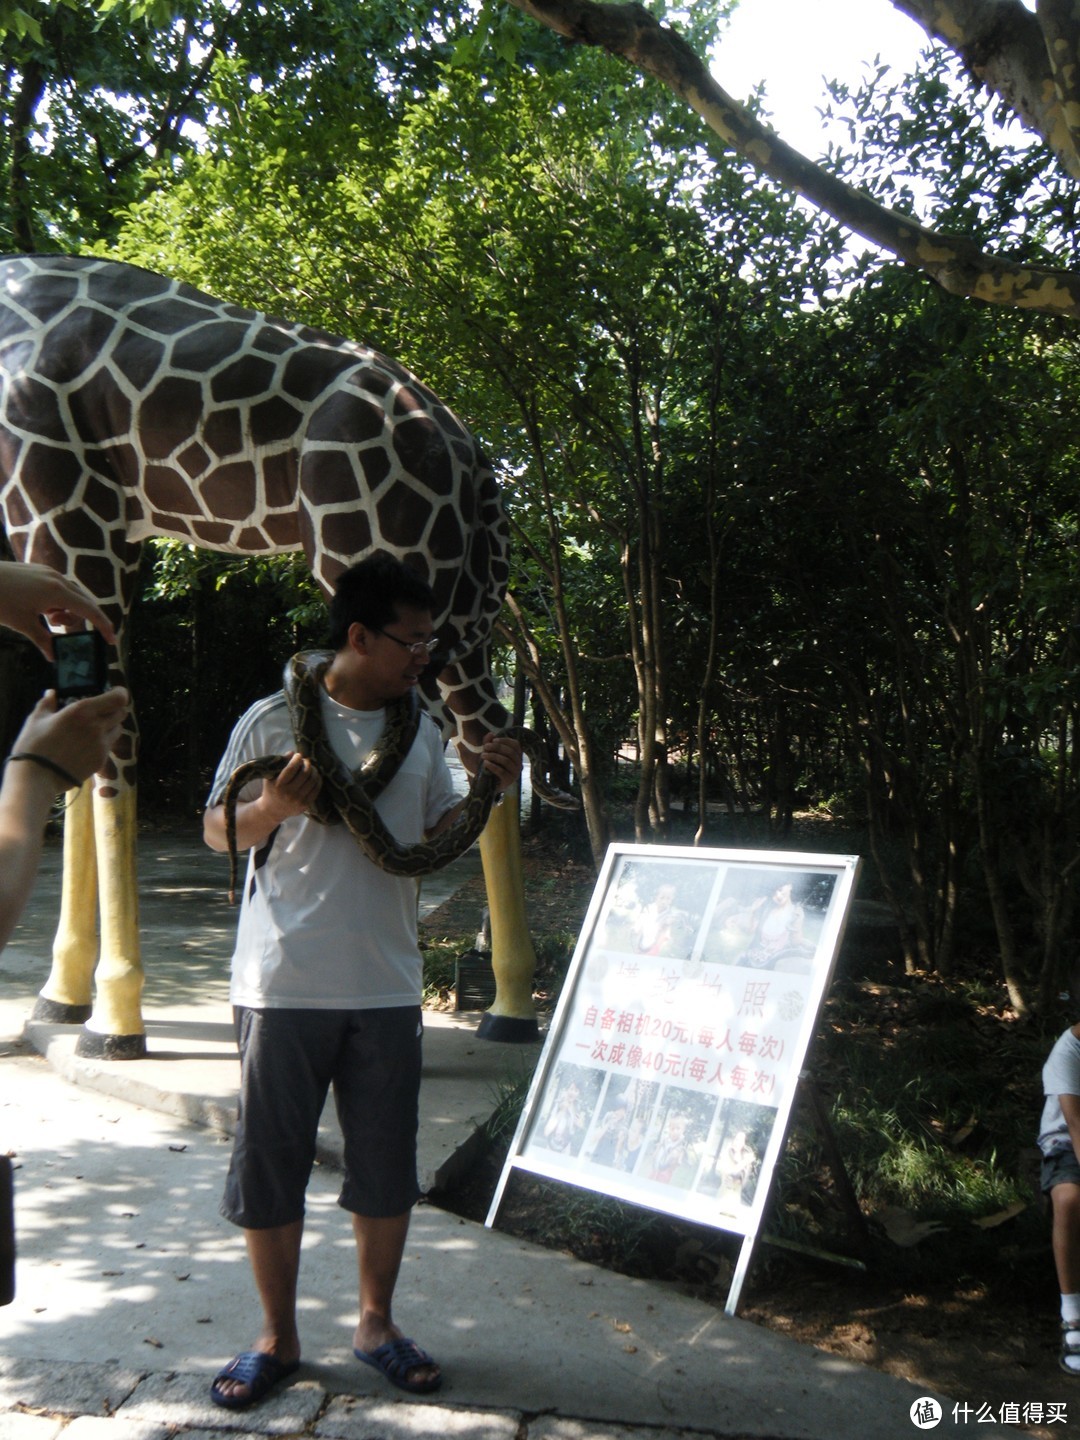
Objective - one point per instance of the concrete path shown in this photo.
(132, 1291)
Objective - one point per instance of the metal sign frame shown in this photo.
(672, 1061)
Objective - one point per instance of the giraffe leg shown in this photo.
(115, 1029)
(65, 996)
(512, 1015)
(469, 700)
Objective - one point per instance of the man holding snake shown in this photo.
(326, 978)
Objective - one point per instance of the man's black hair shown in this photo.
(370, 592)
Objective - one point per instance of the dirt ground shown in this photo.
(981, 1344)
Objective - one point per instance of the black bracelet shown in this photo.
(70, 783)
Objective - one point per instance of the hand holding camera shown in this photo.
(59, 745)
(73, 741)
(68, 735)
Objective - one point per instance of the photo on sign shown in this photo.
(733, 1154)
(768, 920)
(677, 1145)
(656, 909)
(564, 1119)
(623, 1119)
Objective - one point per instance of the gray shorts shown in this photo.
(289, 1059)
(1060, 1168)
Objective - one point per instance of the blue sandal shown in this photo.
(259, 1372)
(396, 1359)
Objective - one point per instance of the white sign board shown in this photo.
(672, 1061)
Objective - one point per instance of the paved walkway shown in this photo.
(132, 1290)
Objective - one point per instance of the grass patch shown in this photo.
(440, 958)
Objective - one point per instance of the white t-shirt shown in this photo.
(321, 926)
(1061, 1076)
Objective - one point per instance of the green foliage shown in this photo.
(21, 22)
(594, 1226)
(932, 143)
(209, 636)
(502, 39)
(108, 100)
(509, 1101)
(91, 101)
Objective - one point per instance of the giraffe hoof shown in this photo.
(55, 1013)
(110, 1047)
(507, 1028)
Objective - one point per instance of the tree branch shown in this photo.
(958, 265)
(1002, 45)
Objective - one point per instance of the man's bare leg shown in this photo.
(380, 1245)
(274, 1256)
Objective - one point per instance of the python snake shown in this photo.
(348, 795)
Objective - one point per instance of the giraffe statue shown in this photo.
(133, 405)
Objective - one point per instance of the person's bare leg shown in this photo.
(380, 1245)
(274, 1255)
(1065, 1235)
(1065, 1209)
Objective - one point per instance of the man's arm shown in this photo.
(502, 756)
(291, 793)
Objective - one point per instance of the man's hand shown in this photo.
(502, 756)
(292, 793)
(28, 592)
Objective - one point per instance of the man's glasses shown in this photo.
(422, 649)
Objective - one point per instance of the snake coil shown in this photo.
(348, 796)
